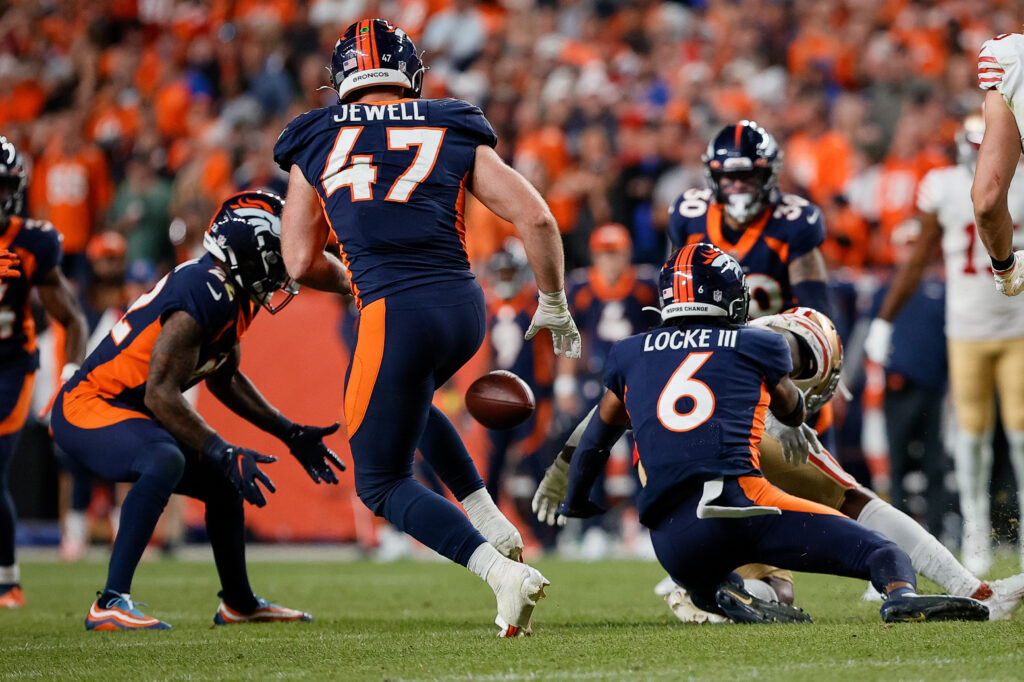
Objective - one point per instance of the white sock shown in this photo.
(928, 556)
(492, 524)
(9, 574)
(115, 521)
(1016, 441)
(760, 589)
(972, 457)
(74, 526)
(483, 559)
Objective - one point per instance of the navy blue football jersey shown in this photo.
(783, 233)
(118, 368)
(392, 180)
(696, 397)
(37, 244)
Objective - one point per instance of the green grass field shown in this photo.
(411, 620)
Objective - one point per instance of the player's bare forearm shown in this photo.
(511, 197)
(62, 305)
(908, 273)
(241, 396)
(174, 359)
(786, 403)
(304, 236)
(809, 267)
(997, 161)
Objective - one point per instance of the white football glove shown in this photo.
(1011, 282)
(552, 490)
(878, 343)
(553, 313)
(797, 441)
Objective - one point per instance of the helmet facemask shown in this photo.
(12, 180)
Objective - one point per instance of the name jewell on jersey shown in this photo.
(394, 111)
(678, 339)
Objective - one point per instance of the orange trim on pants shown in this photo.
(16, 419)
(365, 364)
(87, 410)
(763, 493)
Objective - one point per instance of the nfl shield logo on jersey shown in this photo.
(717, 295)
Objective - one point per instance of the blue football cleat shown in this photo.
(265, 612)
(914, 608)
(120, 613)
(742, 607)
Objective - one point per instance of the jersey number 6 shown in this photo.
(357, 172)
(683, 385)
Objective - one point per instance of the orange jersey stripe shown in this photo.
(16, 419)
(365, 364)
(757, 427)
(763, 493)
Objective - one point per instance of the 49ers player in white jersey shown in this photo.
(985, 333)
(1001, 74)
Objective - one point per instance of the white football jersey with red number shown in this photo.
(974, 309)
(1000, 68)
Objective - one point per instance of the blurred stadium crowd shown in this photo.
(140, 116)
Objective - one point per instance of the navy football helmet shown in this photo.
(702, 280)
(13, 178)
(509, 269)
(744, 150)
(245, 235)
(375, 52)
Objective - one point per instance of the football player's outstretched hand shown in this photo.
(306, 443)
(1009, 282)
(241, 466)
(798, 442)
(553, 314)
(9, 262)
(550, 493)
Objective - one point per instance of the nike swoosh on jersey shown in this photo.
(216, 296)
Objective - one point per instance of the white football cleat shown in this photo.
(519, 588)
(1006, 596)
(685, 610)
(871, 594)
(665, 586)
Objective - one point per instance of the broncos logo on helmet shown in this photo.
(702, 280)
(245, 235)
(375, 52)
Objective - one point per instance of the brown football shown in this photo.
(500, 400)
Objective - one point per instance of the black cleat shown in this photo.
(742, 607)
(914, 608)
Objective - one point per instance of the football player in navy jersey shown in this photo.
(696, 392)
(387, 172)
(124, 417)
(776, 237)
(31, 259)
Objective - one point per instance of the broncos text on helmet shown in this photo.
(13, 178)
(746, 151)
(702, 280)
(245, 235)
(375, 52)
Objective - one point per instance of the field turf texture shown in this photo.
(426, 620)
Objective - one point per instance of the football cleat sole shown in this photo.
(115, 618)
(919, 608)
(264, 613)
(742, 607)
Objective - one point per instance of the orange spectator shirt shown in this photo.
(70, 192)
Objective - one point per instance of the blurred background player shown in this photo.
(985, 333)
(400, 224)
(123, 415)
(607, 300)
(698, 390)
(1001, 75)
(35, 263)
(512, 300)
